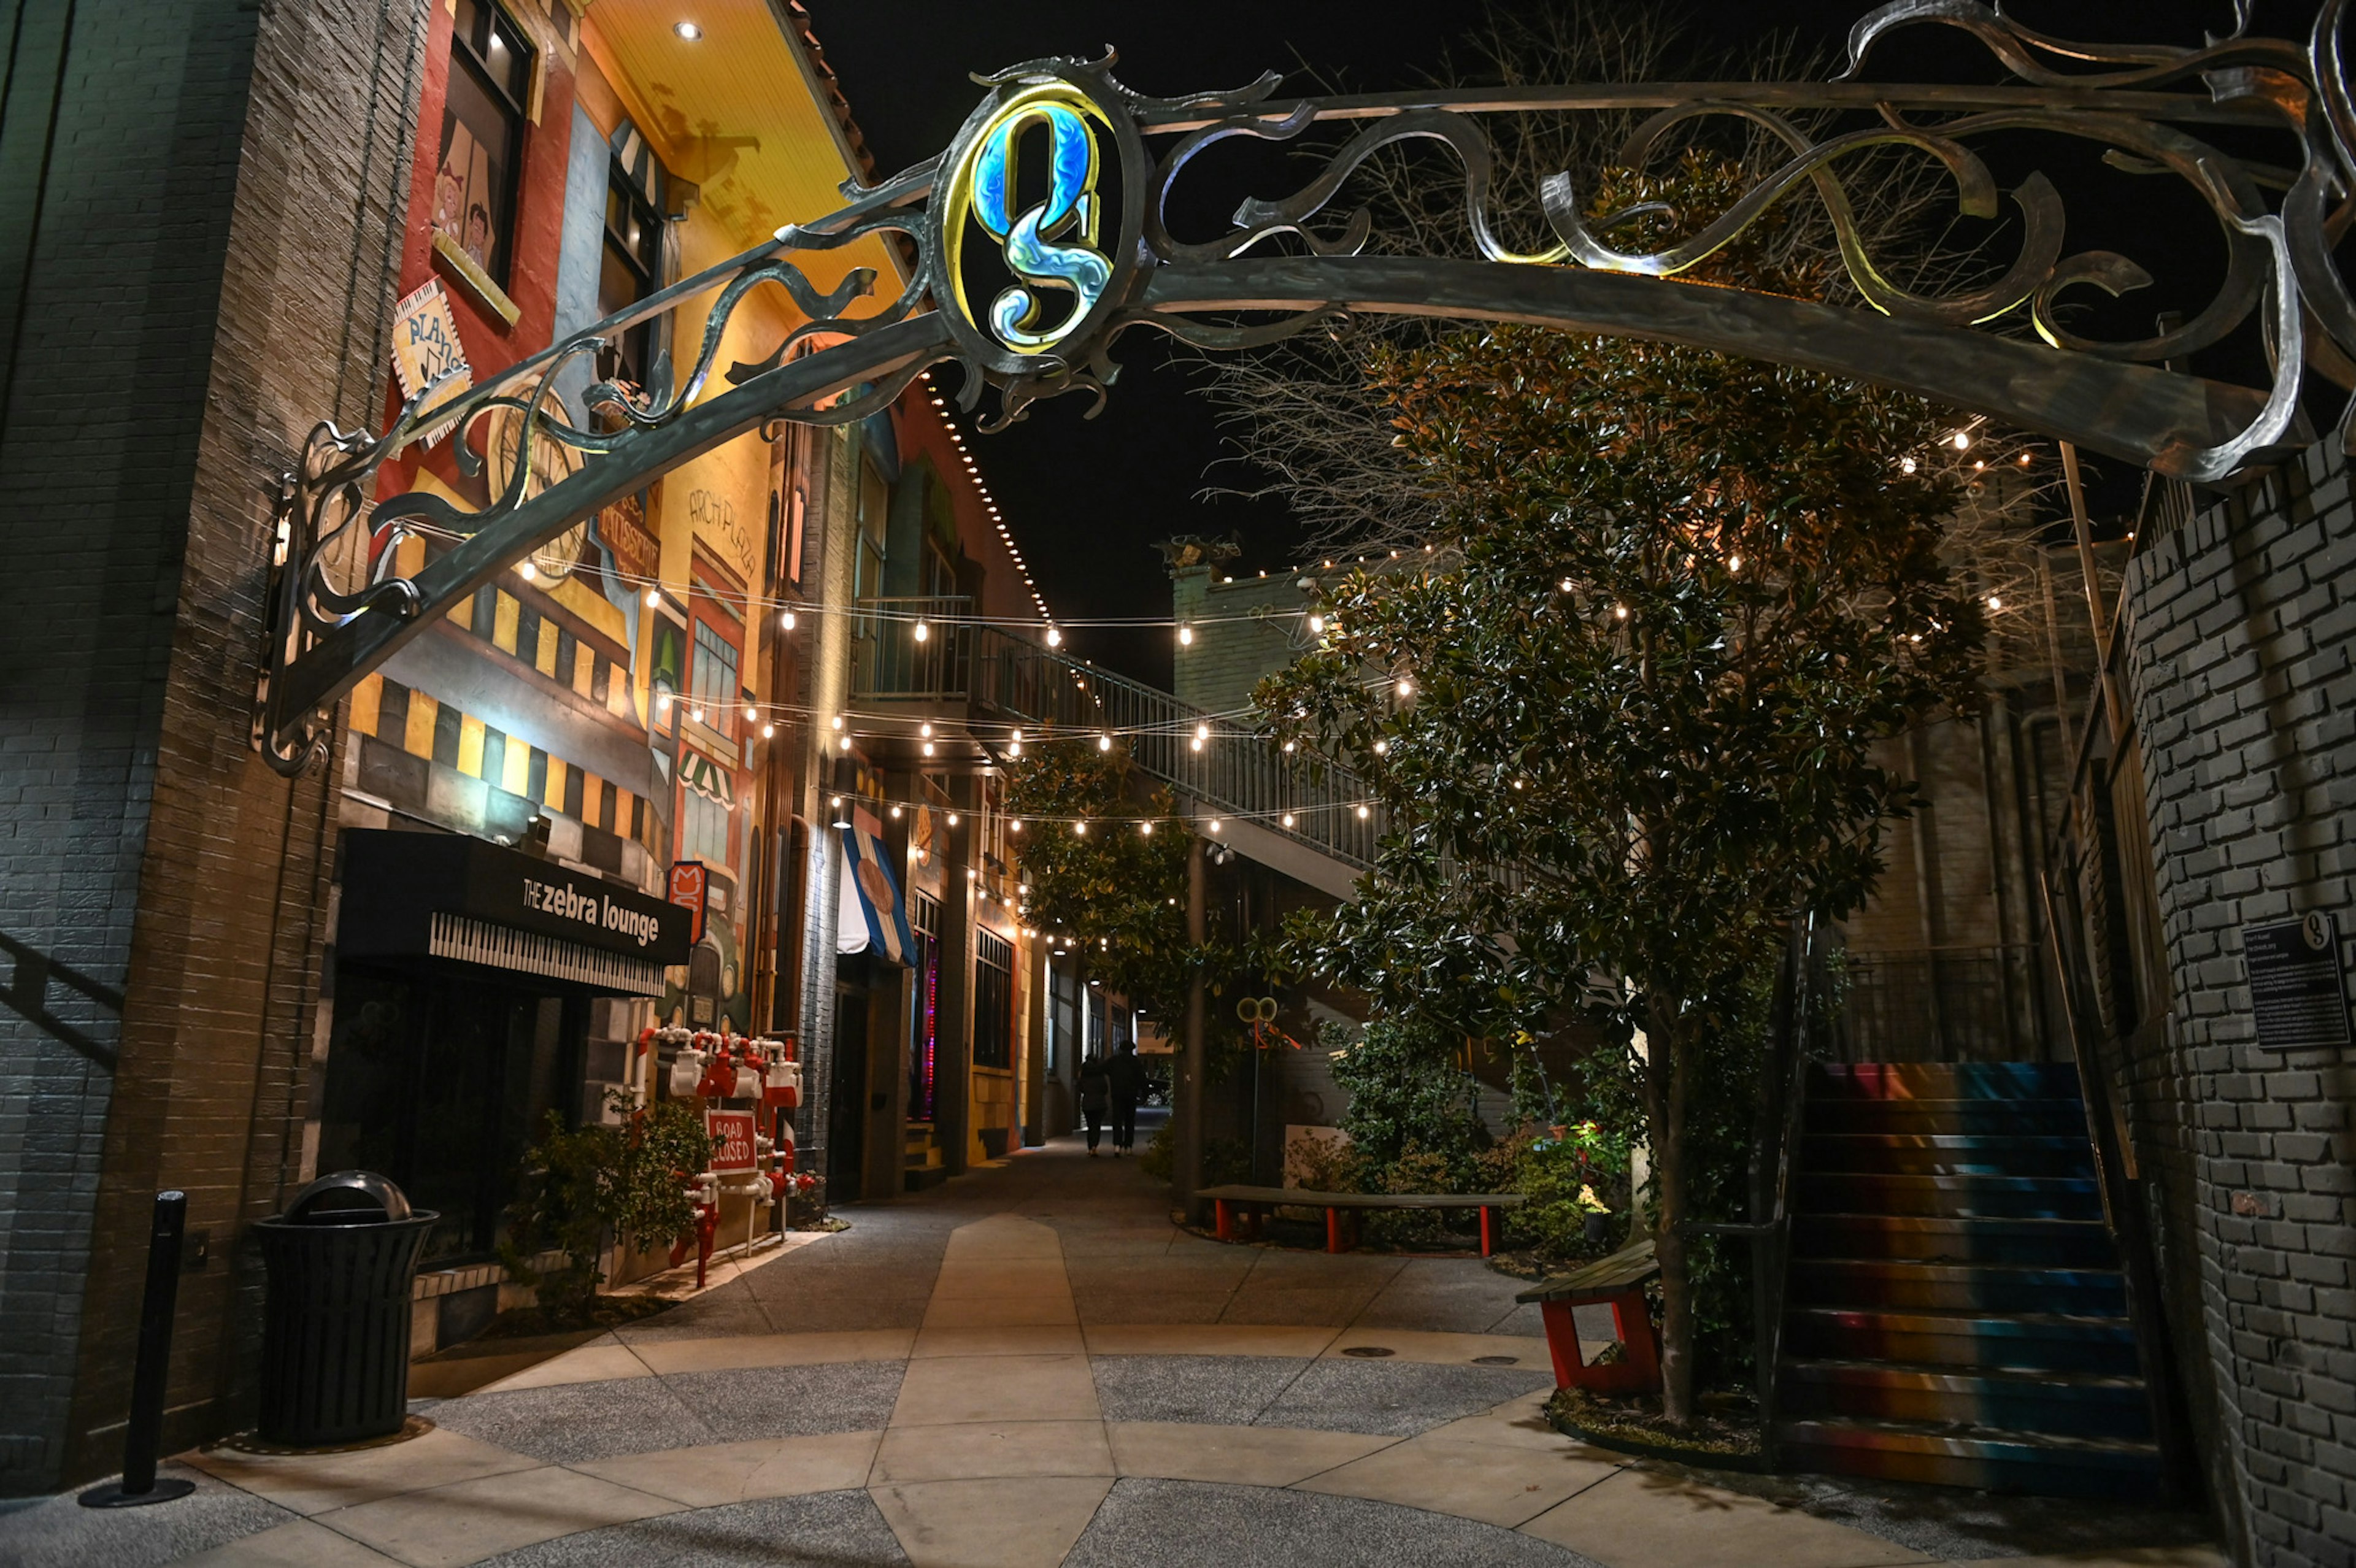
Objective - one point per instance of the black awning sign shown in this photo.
(2297, 991)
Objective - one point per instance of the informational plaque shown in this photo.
(2296, 988)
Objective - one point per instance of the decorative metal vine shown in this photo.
(1093, 257)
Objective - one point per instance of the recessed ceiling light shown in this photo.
(688, 30)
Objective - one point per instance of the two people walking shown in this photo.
(1112, 1087)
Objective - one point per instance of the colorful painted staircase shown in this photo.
(1956, 1311)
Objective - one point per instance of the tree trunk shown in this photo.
(1668, 1087)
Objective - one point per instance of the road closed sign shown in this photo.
(736, 1153)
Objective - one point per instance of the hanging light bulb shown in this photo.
(1381, 747)
(1214, 825)
(1288, 819)
(838, 721)
(895, 814)
(953, 819)
(1055, 639)
(1017, 736)
(1406, 686)
(662, 702)
(1185, 636)
(654, 598)
(1564, 586)
(696, 714)
(922, 631)
(1906, 466)
(1288, 745)
(1734, 563)
(1016, 749)
(926, 730)
(787, 620)
(1079, 830)
(525, 569)
(1195, 744)
(1963, 441)
(1104, 743)
(928, 748)
(846, 742)
(751, 713)
(1363, 814)
(1016, 827)
(1146, 829)
(768, 731)
(1994, 603)
(1620, 611)
(1202, 732)
(1316, 622)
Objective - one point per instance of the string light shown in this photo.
(1316, 622)
(768, 731)
(1381, 747)
(1288, 745)
(1619, 612)
(1734, 563)
(1406, 686)
(953, 819)
(1963, 441)
(787, 620)
(1202, 732)
(1905, 465)
(1104, 743)
(662, 702)
(895, 814)
(1288, 819)
(525, 569)
(1994, 603)
(696, 714)
(751, 713)
(654, 598)
(922, 631)
(838, 721)
(1055, 639)
(1079, 830)
(1564, 586)
(926, 730)
(1145, 829)
(1016, 827)
(846, 742)
(1363, 814)
(1185, 636)
(1214, 825)
(928, 748)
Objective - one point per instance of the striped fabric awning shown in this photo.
(502, 947)
(706, 778)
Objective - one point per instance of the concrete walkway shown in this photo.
(1032, 1366)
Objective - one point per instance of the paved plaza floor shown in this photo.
(1031, 1366)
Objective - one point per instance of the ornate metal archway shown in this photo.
(1092, 259)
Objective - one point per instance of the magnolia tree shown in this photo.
(1106, 870)
(1621, 714)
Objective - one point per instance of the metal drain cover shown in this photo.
(1496, 1360)
(1368, 1352)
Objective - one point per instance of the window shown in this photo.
(1064, 1022)
(874, 508)
(703, 829)
(632, 264)
(482, 135)
(924, 1024)
(993, 1000)
(714, 679)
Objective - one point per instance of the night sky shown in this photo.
(1087, 498)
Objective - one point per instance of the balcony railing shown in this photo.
(1010, 681)
(1945, 1004)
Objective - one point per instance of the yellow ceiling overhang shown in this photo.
(736, 111)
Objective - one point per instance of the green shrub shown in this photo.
(582, 1184)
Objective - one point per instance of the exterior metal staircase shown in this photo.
(1956, 1311)
(1002, 681)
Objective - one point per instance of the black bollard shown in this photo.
(144, 1433)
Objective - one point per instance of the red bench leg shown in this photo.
(1333, 1230)
(1634, 1322)
(1226, 1220)
(1488, 1231)
(1562, 1342)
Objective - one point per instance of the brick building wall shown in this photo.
(204, 270)
(2243, 639)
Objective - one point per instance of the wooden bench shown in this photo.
(1342, 1209)
(1617, 1282)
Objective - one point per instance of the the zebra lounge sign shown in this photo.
(441, 896)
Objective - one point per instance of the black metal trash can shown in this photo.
(334, 1340)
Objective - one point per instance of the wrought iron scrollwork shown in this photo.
(1030, 294)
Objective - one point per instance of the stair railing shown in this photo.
(2122, 1210)
(1232, 772)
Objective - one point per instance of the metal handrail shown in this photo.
(1215, 766)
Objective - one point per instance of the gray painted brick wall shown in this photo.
(206, 272)
(2242, 642)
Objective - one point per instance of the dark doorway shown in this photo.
(441, 1082)
(846, 1123)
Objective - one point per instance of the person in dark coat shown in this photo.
(1126, 1079)
(1096, 1096)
